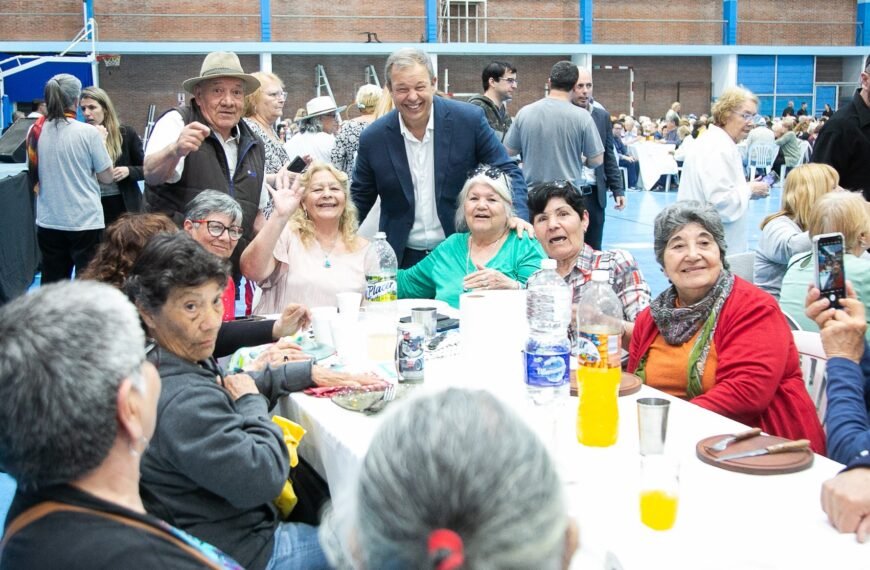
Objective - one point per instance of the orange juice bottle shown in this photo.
(599, 335)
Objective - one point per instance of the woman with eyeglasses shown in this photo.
(484, 254)
(125, 149)
(263, 108)
(308, 250)
(713, 169)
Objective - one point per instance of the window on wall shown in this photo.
(463, 21)
(776, 80)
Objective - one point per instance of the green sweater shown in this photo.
(801, 273)
(439, 275)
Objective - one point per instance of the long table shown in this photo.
(655, 159)
(725, 519)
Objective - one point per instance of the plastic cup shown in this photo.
(321, 321)
(659, 491)
(652, 424)
(351, 349)
(349, 303)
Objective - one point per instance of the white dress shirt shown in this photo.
(426, 233)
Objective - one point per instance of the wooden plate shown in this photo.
(629, 384)
(776, 464)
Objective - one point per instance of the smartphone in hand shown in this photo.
(297, 166)
(830, 270)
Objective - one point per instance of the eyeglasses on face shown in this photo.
(217, 229)
(277, 94)
(748, 116)
(511, 80)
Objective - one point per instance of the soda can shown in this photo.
(409, 352)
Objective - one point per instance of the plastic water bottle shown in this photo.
(548, 351)
(380, 271)
(599, 337)
(381, 293)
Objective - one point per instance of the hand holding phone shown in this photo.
(830, 270)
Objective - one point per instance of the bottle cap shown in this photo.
(548, 263)
(601, 276)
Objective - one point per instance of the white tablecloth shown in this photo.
(725, 520)
(655, 159)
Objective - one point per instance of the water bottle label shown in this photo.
(597, 350)
(381, 289)
(547, 370)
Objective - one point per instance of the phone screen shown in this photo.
(298, 165)
(769, 178)
(828, 250)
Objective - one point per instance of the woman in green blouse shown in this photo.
(484, 254)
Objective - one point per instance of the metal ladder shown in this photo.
(372, 76)
(322, 81)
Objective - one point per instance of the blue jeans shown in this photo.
(297, 547)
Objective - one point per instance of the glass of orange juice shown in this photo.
(659, 491)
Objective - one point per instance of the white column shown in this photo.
(266, 62)
(723, 73)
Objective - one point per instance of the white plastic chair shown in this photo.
(743, 265)
(624, 177)
(806, 154)
(761, 156)
(813, 363)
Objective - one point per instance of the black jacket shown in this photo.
(132, 157)
(82, 541)
(497, 118)
(844, 143)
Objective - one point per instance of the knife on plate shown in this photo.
(798, 445)
(729, 439)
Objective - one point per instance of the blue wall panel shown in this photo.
(765, 105)
(755, 72)
(795, 74)
(825, 94)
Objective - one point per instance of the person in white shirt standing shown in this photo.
(713, 170)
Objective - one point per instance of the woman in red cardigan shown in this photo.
(717, 340)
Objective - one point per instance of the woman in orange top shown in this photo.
(716, 339)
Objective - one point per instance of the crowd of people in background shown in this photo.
(471, 199)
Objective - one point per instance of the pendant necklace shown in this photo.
(326, 253)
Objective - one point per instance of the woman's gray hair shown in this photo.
(679, 214)
(213, 202)
(311, 125)
(501, 185)
(62, 93)
(169, 262)
(407, 57)
(457, 460)
(64, 351)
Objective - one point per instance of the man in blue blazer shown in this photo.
(417, 158)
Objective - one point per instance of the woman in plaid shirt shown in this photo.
(560, 220)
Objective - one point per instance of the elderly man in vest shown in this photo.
(205, 144)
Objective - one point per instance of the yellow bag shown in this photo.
(293, 433)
